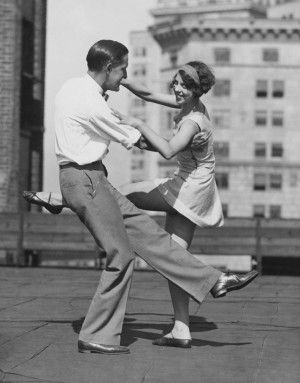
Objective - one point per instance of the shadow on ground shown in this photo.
(133, 330)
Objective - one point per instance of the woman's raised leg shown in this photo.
(146, 196)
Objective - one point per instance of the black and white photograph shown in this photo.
(149, 191)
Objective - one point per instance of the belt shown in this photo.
(96, 165)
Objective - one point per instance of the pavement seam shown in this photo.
(24, 333)
(5, 374)
(259, 362)
(18, 304)
(32, 357)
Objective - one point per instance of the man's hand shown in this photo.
(127, 120)
(117, 114)
(144, 144)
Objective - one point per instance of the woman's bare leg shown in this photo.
(142, 194)
(146, 196)
(182, 231)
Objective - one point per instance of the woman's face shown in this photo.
(182, 94)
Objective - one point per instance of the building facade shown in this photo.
(256, 59)
(22, 63)
(145, 68)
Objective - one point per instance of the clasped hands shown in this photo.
(128, 120)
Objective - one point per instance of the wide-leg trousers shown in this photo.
(122, 230)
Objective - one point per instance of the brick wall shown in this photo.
(21, 135)
(10, 61)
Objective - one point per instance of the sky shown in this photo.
(72, 27)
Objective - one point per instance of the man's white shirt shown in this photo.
(85, 125)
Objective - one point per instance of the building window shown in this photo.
(259, 211)
(277, 150)
(140, 114)
(140, 52)
(222, 55)
(139, 70)
(137, 164)
(137, 152)
(293, 179)
(278, 88)
(260, 150)
(173, 59)
(222, 180)
(221, 118)
(137, 177)
(275, 211)
(221, 88)
(221, 149)
(261, 88)
(166, 172)
(260, 181)
(270, 55)
(261, 118)
(137, 102)
(275, 181)
(277, 119)
(225, 209)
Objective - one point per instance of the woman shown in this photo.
(190, 196)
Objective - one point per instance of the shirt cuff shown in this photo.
(133, 136)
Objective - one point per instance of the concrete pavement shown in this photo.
(250, 336)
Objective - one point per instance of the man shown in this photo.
(84, 126)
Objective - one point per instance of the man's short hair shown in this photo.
(105, 52)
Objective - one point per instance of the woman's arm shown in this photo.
(146, 94)
(167, 148)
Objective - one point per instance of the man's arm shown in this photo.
(109, 127)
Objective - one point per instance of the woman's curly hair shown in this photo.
(206, 77)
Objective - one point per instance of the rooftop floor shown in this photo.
(250, 336)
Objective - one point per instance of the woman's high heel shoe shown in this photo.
(32, 197)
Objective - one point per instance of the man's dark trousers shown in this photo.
(122, 230)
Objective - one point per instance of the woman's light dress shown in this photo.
(192, 190)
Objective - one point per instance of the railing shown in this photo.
(65, 233)
(195, 3)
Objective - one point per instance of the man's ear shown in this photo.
(109, 67)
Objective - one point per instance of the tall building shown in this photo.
(256, 59)
(22, 62)
(285, 10)
(145, 68)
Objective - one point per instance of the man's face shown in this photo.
(116, 74)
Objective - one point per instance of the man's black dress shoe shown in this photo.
(228, 282)
(32, 197)
(101, 348)
(172, 342)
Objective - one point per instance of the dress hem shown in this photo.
(182, 209)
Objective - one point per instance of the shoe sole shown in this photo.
(222, 293)
(171, 343)
(46, 205)
(103, 352)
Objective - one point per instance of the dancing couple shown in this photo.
(84, 126)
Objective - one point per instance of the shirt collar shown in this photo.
(95, 85)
